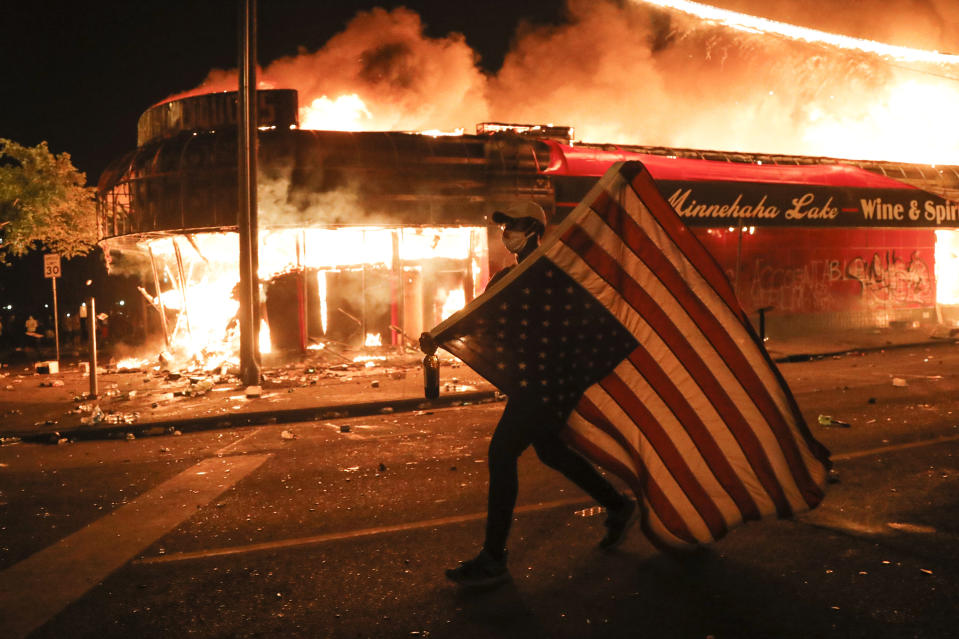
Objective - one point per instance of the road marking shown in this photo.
(44, 583)
(894, 447)
(228, 449)
(351, 534)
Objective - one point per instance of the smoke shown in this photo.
(623, 72)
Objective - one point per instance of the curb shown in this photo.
(251, 418)
(806, 357)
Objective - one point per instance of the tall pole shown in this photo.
(247, 199)
(56, 319)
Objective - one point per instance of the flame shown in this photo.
(753, 24)
(201, 306)
(345, 113)
(265, 345)
(455, 300)
(947, 267)
(910, 111)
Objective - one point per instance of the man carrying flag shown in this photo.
(623, 327)
(526, 421)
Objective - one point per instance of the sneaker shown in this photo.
(483, 571)
(618, 522)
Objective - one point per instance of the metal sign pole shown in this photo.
(56, 319)
(51, 269)
(92, 324)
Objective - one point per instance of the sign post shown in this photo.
(51, 269)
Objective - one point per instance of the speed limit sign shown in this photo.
(51, 265)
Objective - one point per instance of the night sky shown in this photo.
(79, 74)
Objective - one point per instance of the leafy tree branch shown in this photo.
(44, 203)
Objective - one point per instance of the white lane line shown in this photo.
(43, 584)
(894, 447)
(351, 534)
(228, 449)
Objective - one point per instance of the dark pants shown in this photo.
(519, 427)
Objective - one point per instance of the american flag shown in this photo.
(623, 326)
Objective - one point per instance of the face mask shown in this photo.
(515, 240)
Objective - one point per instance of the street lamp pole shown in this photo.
(247, 224)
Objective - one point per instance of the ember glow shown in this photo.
(755, 24)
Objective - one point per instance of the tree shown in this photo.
(43, 203)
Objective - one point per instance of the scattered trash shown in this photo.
(63, 441)
(47, 368)
(829, 420)
(96, 416)
(130, 437)
(386, 410)
(344, 428)
(254, 391)
(288, 434)
(382, 467)
(374, 384)
(899, 381)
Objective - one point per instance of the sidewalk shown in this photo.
(54, 408)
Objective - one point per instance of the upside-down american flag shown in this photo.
(624, 326)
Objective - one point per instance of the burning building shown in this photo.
(369, 237)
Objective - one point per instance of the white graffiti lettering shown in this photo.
(892, 280)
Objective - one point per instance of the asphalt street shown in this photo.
(342, 527)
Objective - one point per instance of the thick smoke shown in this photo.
(624, 72)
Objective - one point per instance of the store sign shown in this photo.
(767, 204)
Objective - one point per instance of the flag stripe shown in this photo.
(715, 457)
(642, 184)
(657, 498)
(671, 458)
(654, 258)
(749, 344)
(653, 527)
(609, 270)
(659, 350)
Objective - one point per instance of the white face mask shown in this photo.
(515, 240)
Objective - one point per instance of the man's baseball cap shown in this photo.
(519, 211)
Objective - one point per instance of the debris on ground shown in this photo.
(899, 381)
(829, 420)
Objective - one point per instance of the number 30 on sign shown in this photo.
(51, 265)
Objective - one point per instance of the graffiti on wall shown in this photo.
(822, 285)
(892, 280)
(793, 289)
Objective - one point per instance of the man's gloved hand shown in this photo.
(427, 344)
